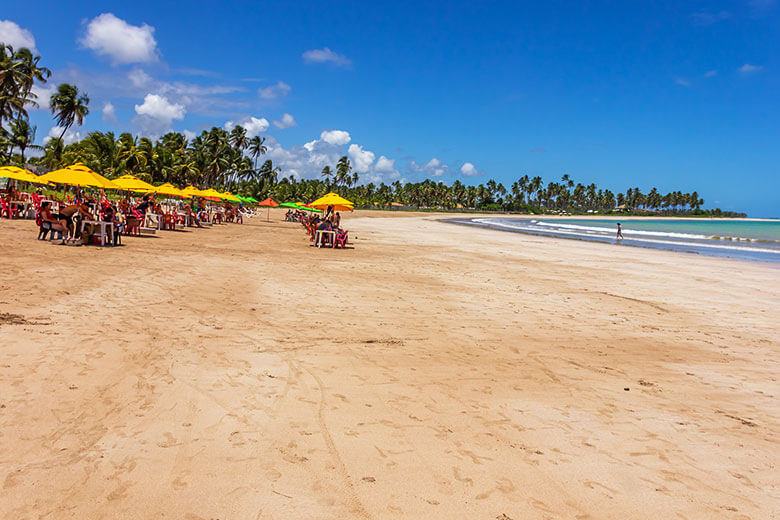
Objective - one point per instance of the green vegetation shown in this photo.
(229, 161)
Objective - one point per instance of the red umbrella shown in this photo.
(271, 203)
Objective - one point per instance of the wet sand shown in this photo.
(433, 371)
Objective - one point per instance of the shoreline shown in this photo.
(697, 241)
(476, 214)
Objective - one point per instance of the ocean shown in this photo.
(742, 239)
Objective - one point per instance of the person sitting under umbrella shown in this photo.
(146, 206)
(49, 222)
(74, 211)
(336, 221)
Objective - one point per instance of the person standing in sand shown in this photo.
(620, 232)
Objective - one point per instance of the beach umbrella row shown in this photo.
(81, 175)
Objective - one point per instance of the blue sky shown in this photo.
(677, 95)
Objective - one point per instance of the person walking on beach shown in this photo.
(620, 232)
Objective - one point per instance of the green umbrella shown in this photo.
(315, 210)
(288, 205)
(252, 199)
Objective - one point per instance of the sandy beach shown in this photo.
(432, 371)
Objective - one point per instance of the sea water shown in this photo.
(744, 239)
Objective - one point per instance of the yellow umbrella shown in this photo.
(229, 196)
(211, 192)
(338, 202)
(192, 191)
(170, 189)
(79, 175)
(16, 173)
(132, 183)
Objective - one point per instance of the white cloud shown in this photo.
(325, 55)
(306, 161)
(156, 113)
(70, 137)
(210, 100)
(337, 137)
(13, 35)
(110, 36)
(159, 107)
(43, 95)
(329, 137)
(433, 168)
(383, 164)
(281, 89)
(255, 126)
(682, 82)
(469, 169)
(109, 112)
(286, 121)
(747, 68)
(361, 159)
(139, 79)
(189, 134)
(710, 73)
(252, 125)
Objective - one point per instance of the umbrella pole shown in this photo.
(268, 215)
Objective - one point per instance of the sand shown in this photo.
(432, 371)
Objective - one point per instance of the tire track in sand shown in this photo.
(355, 503)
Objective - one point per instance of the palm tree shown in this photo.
(18, 72)
(131, 159)
(68, 106)
(214, 153)
(327, 173)
(533, 187)
(269, 173)
(52, 151)
(257, 148)
(106, 151)
(32, 72)
(343, 167)
(23, 137)
(238, 139)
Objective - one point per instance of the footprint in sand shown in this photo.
(169, 441)
(120, 492)
(459, 478)
(236, 439)
(10, 479)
